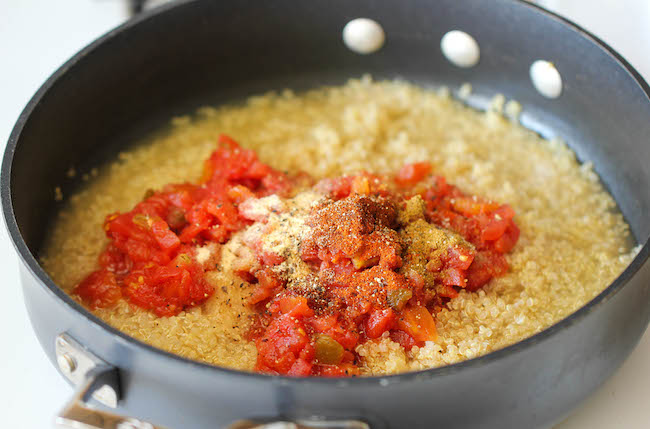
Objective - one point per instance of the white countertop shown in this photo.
(38, 36)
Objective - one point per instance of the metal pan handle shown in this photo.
(95, 378)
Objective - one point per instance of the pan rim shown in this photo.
(34, 268)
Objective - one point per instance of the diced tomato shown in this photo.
(507, 241)
(300, 368)
(344, 336)
(307, 353)
(453, 277)
(228, 142)
(167, 290)
(99, 289)
(281, 345)
(238, 194)
(418, 323)
(323, 323)
(268, 279)
(115, 260)
(268, 284)
(416, 279)
(403, 339)
(350, 369)
(505, 212)
(493, 230)
(447, 291)
(411, 174)
(439, 188)
(295, 306)
(378, 322)
(337, 188)
(190, 233)
(341, 187)
(459, 257)
(270, 259)
(487, 264)
(180, 196)
(166, 239)
(225, 213)
(259, 294)
(470, 206)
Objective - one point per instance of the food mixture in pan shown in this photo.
(366, 229)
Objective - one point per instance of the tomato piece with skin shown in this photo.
(493, 229)
(167, 240)
(300, 368)
(507, 241)
(259, 294)
(323, 323)
(403, 339)
(453, 277)
(281, 345)
(378, 322)
(238, 194)
(418, 322)
(268, 283)
(344, 336)
(99, 289)
(447, 291)
(487, 264)
(337, 188)
(225, 214)
(471, 206)
(115, 261)
(459, 257)
(295, 306)
(167, 290)
(270, 259)
(411, 174)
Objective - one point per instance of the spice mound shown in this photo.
(331, 264)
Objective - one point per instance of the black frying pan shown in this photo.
(176, 58)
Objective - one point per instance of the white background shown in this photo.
(38, 36)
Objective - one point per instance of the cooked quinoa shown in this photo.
(573, 241)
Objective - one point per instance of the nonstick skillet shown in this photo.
(191, 53)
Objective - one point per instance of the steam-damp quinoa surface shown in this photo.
(573, 240)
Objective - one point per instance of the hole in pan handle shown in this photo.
(94, 378)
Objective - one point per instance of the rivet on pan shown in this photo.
(67, 364)
(546, 78)
(363, 36)
(60, 342)
(460, 49)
